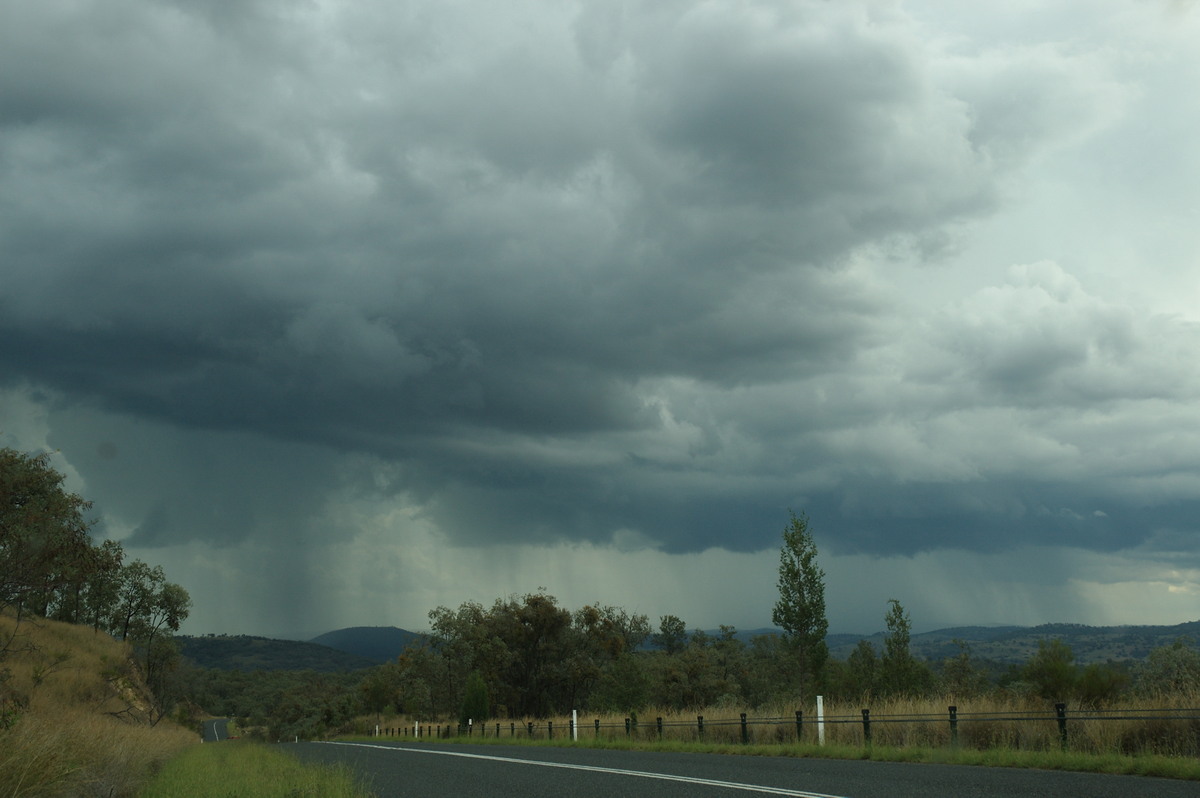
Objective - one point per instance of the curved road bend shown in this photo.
(410, 769)
(216, 729)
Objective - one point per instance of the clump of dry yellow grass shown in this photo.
(78, 719)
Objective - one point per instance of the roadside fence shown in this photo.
(1166, 730)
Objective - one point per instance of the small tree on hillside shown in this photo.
(800, 610)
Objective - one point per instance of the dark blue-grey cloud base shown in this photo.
(558, 272)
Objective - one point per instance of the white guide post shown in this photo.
(821, 720)
(575, 725)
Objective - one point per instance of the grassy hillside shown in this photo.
(75, 717)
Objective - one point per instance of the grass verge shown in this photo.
(248, 770)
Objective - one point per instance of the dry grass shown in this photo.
(80, 716)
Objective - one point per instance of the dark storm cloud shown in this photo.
(589, 273)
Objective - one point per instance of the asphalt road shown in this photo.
(411, 769)
(216, 730)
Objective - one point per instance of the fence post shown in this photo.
(799, 726)
(700, 726)
(954, 726)
(866, 713)
(745, 731)
(1060, 709)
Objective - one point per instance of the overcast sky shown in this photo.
(341, 311)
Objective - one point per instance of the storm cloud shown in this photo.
(421, 279)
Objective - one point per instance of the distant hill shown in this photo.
(245, 653)
(376, 643)
(1016, 644)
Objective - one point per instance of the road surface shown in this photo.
(398, 770)
(216, 730)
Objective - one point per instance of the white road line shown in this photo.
(732, 785)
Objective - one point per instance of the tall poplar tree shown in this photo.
(800, 611)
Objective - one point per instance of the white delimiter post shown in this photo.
(821, 720)
(417, 729)
(575, 725)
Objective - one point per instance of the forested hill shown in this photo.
(378, 643)
(245, 653)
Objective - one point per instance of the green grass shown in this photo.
(248, 770)
(1182, 768)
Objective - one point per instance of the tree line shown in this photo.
(526, 656)
(51, 568)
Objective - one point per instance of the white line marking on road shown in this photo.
(732, 785)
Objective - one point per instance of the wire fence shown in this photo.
(1169, 731)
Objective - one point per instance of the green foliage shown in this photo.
(1172, 669)
(899, 672)
(800, 610)
(959, 675)
(1051, 672)
(476, 705)
(44, 542)
(862, 668)
(672, 634)
(1101, 685)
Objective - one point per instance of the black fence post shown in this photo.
(512, 730)
(866, 715)
(799, 726)
(549, 730)
(1060, 709)
(597, 727)
(658, 721)
(497, 730)
(745, 731)
(954, 726)
(700, 726)
(531, 729)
